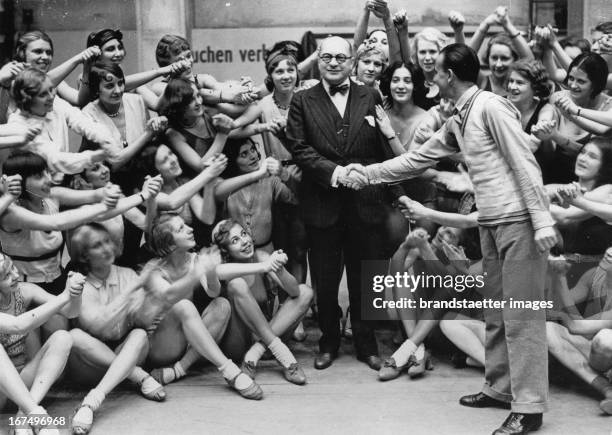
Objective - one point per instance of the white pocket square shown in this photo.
(370, 120)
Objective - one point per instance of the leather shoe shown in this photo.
(324, 360)
(519, 424)
(373, 361)
(481, 400)
(606, 405)
(294, 374)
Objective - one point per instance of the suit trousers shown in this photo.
(516, 352)
(346, 243)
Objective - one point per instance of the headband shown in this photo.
(103, 36)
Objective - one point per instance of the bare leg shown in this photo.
(600, 357)
(116, 367)
(467, 334)
(196, 333)
(48, 364)
(571, 350)
(215, 318)
(12, 386)
(292, 311)
(185, 315)
(249, 311)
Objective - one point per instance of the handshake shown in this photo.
(354, 176)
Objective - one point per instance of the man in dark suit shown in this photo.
(332, 125)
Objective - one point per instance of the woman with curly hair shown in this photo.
(252, 278)
(370, 62)
(529, 90)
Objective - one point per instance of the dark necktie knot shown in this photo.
(343, 89)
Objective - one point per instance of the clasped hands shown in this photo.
(354, 176)
(566, 194)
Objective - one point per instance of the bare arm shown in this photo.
(171, 293)
(73, 291)
(154, 126)
(183, 193)
(204, 206)
(60, 72)
(518, 40)
(229, 271)
(456, 220)
(548, 59)
(16, 218)
(287, 282)
(31, 319)
(395, 51)
(189, 155)
(251, 114)
(227, 187)
(74, 197)
(361, 29)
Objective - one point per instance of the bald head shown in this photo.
(334, 47)
(336, 41)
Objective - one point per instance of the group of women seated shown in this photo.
(172, 232)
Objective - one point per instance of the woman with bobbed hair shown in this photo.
(370, 62)
(426, 46)
(251, 277)
(585, 113)
(34, 96)
(193, 134)
(529, 90)
(108, 347)
(125, 116)
(569, 130)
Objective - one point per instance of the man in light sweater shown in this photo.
(516, 231)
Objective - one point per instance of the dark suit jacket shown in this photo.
(313, 141)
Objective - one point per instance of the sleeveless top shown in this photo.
(35, 253)
(199, 297)
(565, 161)
(200, 143)
(14, 344)
(489, 87)
(544, 154)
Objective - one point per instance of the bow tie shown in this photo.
(343, 89)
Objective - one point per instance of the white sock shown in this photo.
(402, 354)
(255, 353)
(229, 370)
(282, 353)
(179, 370)
(94, 399)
